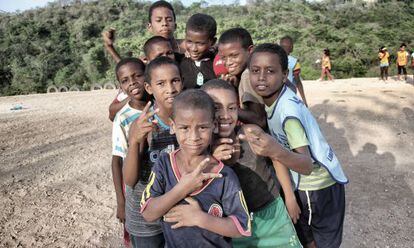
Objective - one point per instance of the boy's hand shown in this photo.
(194, 180)
(292, 208)
(260, 142)
(184, 215)
(231, 79)
(109, 37)
(120, 211)
(225, 149)
(141, 127)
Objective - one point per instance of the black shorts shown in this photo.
(401, 70)
(328, 212)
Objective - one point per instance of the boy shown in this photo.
(235, 46)
(161, 22)
(200, 32)
(402, 61)
(148, 140)
(320, 195)
(154, 47)
(294, 67)
(271, 224)
(216, 202)
(130, 75)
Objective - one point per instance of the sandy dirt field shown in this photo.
(55, 179)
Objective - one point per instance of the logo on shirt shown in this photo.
(215, 210)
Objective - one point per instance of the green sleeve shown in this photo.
(295, 133)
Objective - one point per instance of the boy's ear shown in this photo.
(148, 88)
(172, 129)
(250, 49)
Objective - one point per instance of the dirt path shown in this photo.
(55, 181)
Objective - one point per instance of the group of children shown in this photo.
(403, 57)
(199, 158)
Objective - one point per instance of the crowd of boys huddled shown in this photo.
(212, 147)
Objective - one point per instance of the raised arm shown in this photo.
(109, 39)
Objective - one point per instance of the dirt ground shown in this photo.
(55, 178)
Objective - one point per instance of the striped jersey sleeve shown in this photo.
(234, 204)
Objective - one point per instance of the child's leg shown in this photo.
(322, 74)
(148, 242)
(405, 72)
(399, 72)
(328, 73)
(382, 72)
(328, 212)
(386, 72)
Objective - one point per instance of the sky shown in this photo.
(14, 5)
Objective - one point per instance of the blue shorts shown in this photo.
(156, 241)
(327, 219)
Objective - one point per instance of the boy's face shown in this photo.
(266, 75)
(225, 102)
(131, 80)
(194, 130)
(165, 85)
(160, 49)
(197, 44)
(287, 46)
(234, 57)
(162, 22)
(402, 48)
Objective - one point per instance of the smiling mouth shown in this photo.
(261, 87)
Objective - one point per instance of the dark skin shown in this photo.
(116, 166)
(235, 58)
(114, 107)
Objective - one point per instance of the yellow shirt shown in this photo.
(402, 58)
(326, 62)
(319, 177)
(383, 57)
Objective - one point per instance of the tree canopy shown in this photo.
(61, 44)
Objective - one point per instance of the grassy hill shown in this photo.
(61, 44)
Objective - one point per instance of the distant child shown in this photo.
(384, 56)
(199, 197)
(161, 22)
(149, 137)
(130, 75)
(294, 67)
(200, 36)
(271, 223)
(402, 61)
(321, 195)
(235, 46)
(326, 65)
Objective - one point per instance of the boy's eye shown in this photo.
(254, 70)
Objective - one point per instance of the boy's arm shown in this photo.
(108, 39)
(138, 133)
(283, 177)
(115, 106)
(265, 145)
(153, 208)
(253, 113)
(118, 183)
(192, 215)
(299, 85)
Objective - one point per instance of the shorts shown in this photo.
(327, 219)
(384, 64)
(271, 227)
(156, 241)
(401, 70)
